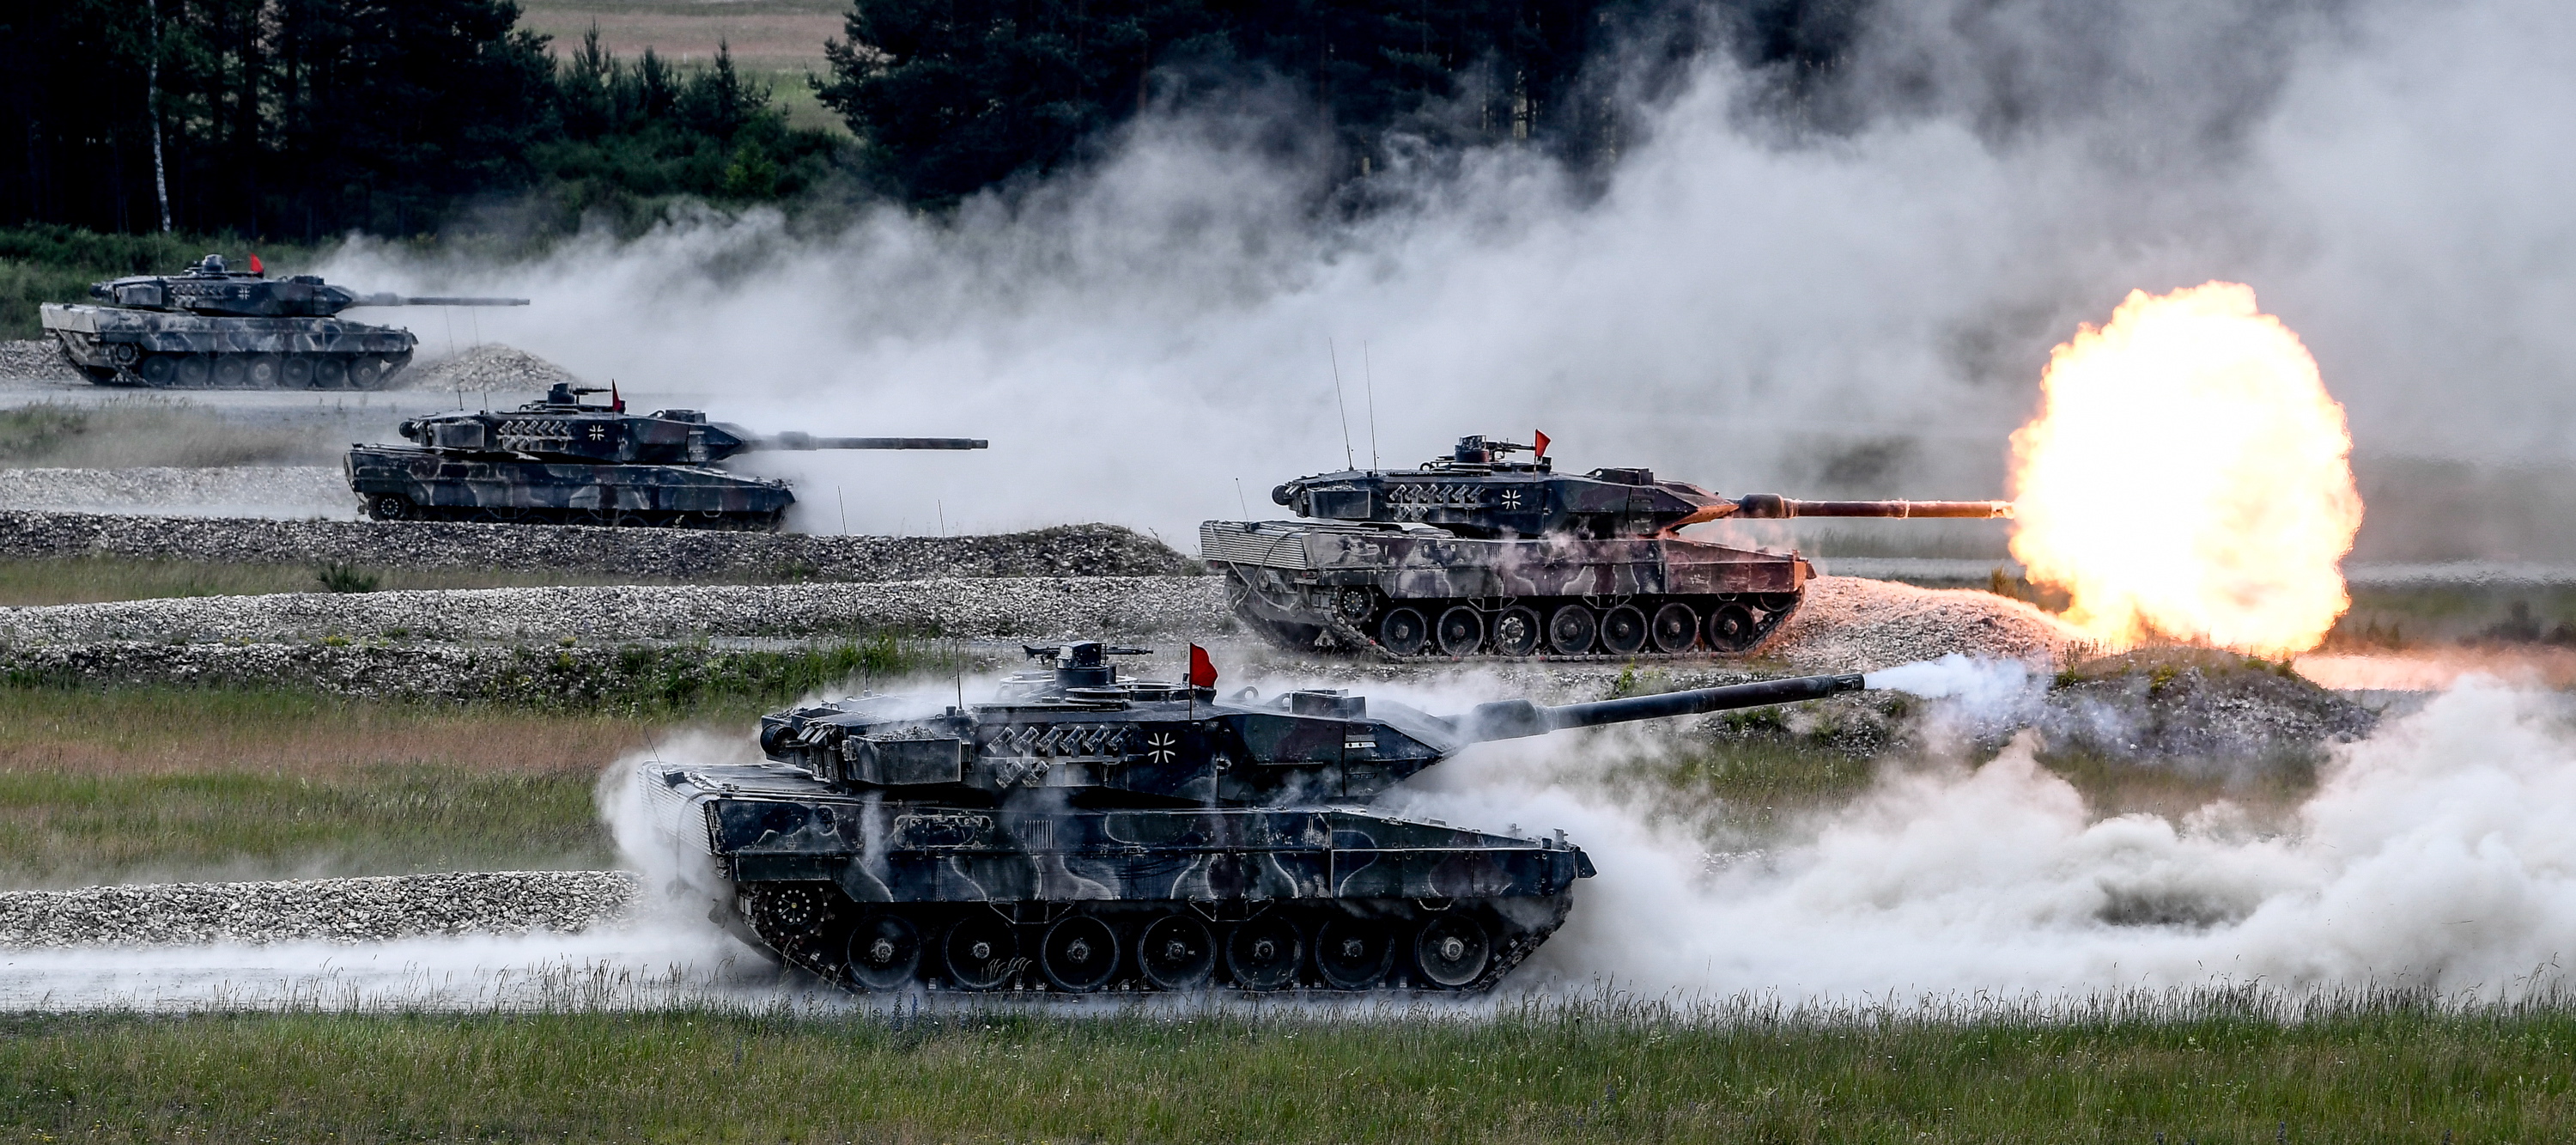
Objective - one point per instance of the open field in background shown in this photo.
(779, 41)
(149, 430)
(2389, 1071)
(84, 580)
(145, 785)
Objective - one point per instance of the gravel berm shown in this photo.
(327, 910)
(34, 359)
(1849, 624)
(1066, 550)
(956, 606)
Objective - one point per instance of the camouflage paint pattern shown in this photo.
(1148, 818)
(1476, 554)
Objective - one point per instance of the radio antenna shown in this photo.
(1368, 377)
(1239, 502)
(1348, 460)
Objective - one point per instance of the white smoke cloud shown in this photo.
(1136, 336)
(2432, 854)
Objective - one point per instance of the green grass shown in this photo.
(143, 431)
(59, 830)
(1591, 1072)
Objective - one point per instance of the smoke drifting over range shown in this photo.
(2429, 856)
(1751, 300)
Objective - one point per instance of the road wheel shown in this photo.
(1402, 631)
(364, 373)
(1571, 630)
(885, 952)
(193, 369)
(1623, 630)
(1353, 953)
(1516, 631)
(231, 371)
(1078, 954)
(1452, 950)
(158, 369)
(1675, 628)
(1732, 629)
(261, 372)
(295, 372)
(982, 952)
(330, 372)
(392, 507)
(1264, 953)
(1177, 953)
(1461, 632)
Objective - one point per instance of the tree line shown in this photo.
(298, 119)
(306, 118)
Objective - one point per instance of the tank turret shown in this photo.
(566, 461)
(210, 326)
(1084, 831)
(563, 427)
(1478, 491)
(209, 288)
(1479, 553)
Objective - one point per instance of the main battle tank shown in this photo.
(1083, 832)
(562, 461)
(1478, 554)
(212, 327)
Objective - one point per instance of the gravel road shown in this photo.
(1066, 550)
(330, 910)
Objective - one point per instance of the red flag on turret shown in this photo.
(1202, 669)
(255, 267)
(1541, 449)
(615, 402)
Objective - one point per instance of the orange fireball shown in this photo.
(2188, 476)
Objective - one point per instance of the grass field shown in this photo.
(82, 580)
(138, 785)
(2379, 1072)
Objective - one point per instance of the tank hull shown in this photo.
(1408, 591)
(179, 350)
(877, 893)
(397, 483)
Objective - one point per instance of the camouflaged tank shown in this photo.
(1083, 832)
(563, 461)
(1475, 554)
(210, 327)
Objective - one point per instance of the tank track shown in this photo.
(1461, 946)
(625, 519)
(1346, 636)
(250, 371)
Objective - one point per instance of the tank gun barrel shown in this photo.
(1767, 506)
(809, 441)
(434, 300)
(1514, 719)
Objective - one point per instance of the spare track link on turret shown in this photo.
(1460, 946)
(1764, 616)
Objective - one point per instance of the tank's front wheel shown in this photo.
(391, 507)
(1452, 950)
(364, 373)
(1732, 628)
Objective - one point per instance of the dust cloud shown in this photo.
(2432, 854)
(1854, 289)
